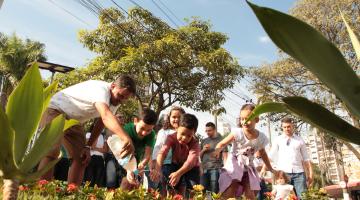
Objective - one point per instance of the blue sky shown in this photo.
(48, 22)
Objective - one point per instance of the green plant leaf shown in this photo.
(266, 108)
(25, 177)
(48, 92)
(69, 123)
(354, 39)
(314, 51)
(24, 110)
(47, 139)
(322, 118)
(7, 162)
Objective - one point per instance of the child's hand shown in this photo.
(130, 176)
(155, 175)
(262, 173)
(216, 153)
(174, 179)
(206, 148)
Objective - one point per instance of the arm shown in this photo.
(146, 159)
(110, 121)
(266, 160)
(95, 132)
(221, 145)
(306, 163)
(190, 163)
(308, 172)
(156, 172)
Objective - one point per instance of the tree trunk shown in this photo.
(352, 149)
(10, 190)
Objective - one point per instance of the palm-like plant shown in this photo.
(18, 125)
(322, 58)
(15, 55)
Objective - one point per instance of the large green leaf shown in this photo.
(24, 110)
(314, 51)
(322, 118)
(48, 92)
(314, 114)
(7, 162)
(47, 139)
(354, 39)
(25, 177)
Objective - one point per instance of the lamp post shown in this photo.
(53, 68)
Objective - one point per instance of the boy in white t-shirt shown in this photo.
(82, 102)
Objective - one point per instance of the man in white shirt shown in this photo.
(82, 102)
(292, 157)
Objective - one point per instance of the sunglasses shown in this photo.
(288, 142)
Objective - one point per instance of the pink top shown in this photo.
(186, 154)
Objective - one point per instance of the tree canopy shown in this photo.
(187, 65)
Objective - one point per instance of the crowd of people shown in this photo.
(173, 159)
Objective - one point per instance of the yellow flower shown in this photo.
(198, 188)
(322, 191)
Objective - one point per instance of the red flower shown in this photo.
(43, 182)
(23, 188)
(58, 189)
(178, 197)
(71, 187)
(268, 194)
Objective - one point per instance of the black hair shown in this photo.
(210, 124)
(148, 116)
(189, 121)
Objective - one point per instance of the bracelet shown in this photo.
(87, 146)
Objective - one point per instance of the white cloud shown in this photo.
(264, 39)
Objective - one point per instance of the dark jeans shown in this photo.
(95, 171)
(210, 180)
(263, 189)
(298, 180)
(61, 169)
(189, 179)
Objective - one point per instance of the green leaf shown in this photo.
(25, 177)
(314, 51)
(48, 92)
(24, 110)
(47, 139)
(266, 108)
(69, 123)
(354, 39)
(322, 118)
(7, 162)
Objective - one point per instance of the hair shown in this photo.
(287, 120)
(148, 116)
(210, 124)
(248, 106)
(125, 81)
(282, 174)
(167, 124)
(189, 121)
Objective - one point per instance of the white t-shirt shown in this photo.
(78, 101)
(288, 153)
(282, 191)
(160, 141)
(244, 148)
(99, 144)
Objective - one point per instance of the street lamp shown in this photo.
(53, 68)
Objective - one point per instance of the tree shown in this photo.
(287, 77)
(185, 65)
(15, 55)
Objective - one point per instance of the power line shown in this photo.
(167, 16)
(70, 13)
(171, 12)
